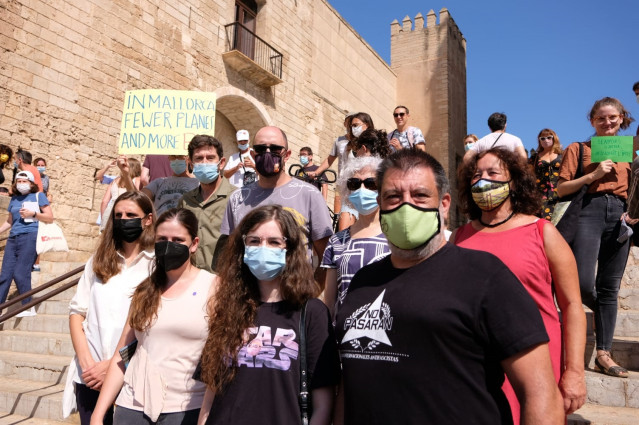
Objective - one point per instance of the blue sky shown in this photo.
(541, 62)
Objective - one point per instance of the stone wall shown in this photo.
(65, 66)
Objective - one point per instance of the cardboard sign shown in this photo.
(616, 148)
(163, 122)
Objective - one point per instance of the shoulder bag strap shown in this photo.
(580, 165)
(304, 394)
(493, 145)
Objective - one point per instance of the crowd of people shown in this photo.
(219, 292)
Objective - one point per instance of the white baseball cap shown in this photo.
(25, 175)
(242, 135)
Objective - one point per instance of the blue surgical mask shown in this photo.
(178, 166)
(304, 160)
(265, 263)
(206, 173)
(42, 169)
(15, 164)
(468, 146)
(364, 200)
(242, 147)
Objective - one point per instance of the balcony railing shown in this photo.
(241, 39)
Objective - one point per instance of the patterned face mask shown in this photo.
(489, 194)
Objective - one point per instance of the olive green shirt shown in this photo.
(209, 215)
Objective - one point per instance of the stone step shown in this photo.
(34, 367)
(53, 306)
(593, 414)
(629, 299)
(625, 351)
(55, 323)
(627, 323)
(55, 344)
(606, 390)
(32, 399)
(9, 419)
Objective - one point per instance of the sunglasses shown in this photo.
(399, 114)
(354, 183)
(261, 149)
(542, 138)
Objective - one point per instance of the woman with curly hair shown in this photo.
(372, 143)
(168, 320)
(601, 255)
(251, 360)
(546, 164)
(500, 196)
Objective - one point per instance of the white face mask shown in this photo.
(357, 131)
(23, 188)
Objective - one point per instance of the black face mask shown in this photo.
(171, 255)
(127, 229)
(268, 164)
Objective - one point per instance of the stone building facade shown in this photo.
(65, 66)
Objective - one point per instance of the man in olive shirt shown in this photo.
(208, 201)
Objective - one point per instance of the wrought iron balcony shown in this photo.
(251, 56)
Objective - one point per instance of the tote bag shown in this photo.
(50, 237)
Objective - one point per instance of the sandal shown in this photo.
(616, 371)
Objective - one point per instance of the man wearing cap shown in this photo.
(240, 170)
(23, 163)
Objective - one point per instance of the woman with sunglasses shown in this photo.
(362, 243)
(546, 164)
(251, 359)
(600, 252)
(372, 143)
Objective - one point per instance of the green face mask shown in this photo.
(409, 226)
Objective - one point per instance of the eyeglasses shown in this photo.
(261, 149)
(612, 118)
(399, 114)
(271, 241)
(354, 183)
(542, 138)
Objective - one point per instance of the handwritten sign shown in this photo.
(616, 148)
(164, 121)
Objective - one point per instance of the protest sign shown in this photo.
(163, 122)
(616, 148)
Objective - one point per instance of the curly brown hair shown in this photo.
(233, 308)
(146, 298)
(106, 262)
(525, 197)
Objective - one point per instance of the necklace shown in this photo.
(497, 224)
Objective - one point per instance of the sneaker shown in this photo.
(36, 268)
(27, 313)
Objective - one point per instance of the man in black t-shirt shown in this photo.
(426, 334)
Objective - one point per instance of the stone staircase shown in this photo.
(34, 356)
(615, 401)
(35, 353)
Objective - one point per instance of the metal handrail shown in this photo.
(243, 40)
(44, 297)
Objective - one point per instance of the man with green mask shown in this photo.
(433, 327)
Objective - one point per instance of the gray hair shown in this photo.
(353, 166)
(406, 159)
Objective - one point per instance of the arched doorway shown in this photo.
(236, 110)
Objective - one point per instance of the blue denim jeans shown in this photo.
(601, 261)
(19, 256)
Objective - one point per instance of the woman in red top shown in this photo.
(499, 194)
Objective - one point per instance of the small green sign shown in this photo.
(616, 148)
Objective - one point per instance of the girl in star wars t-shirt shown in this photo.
(251, 360)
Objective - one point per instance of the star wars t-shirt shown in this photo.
(429, 340)
(266, 387)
